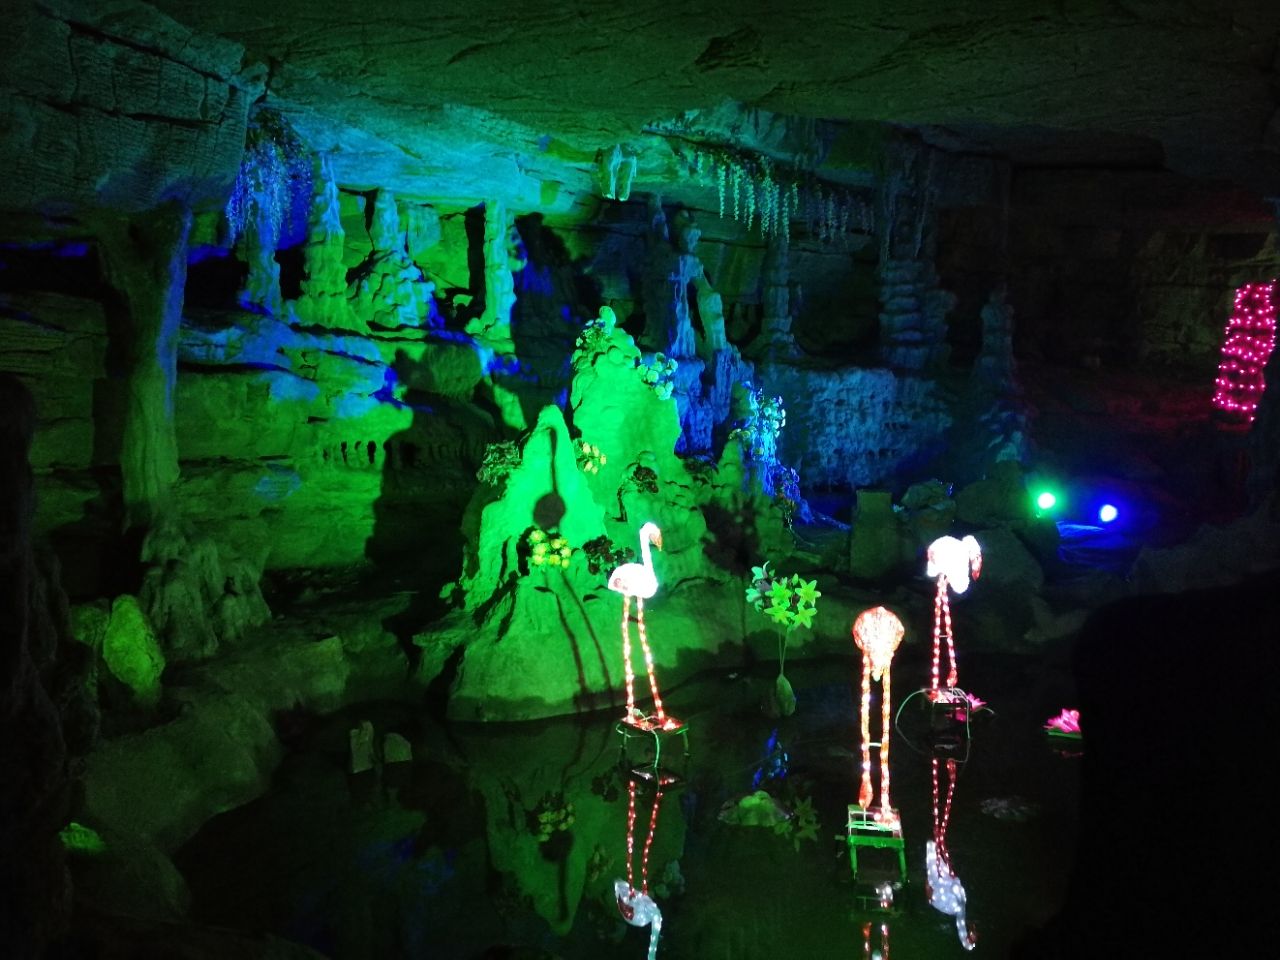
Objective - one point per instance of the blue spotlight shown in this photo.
(1107, 512)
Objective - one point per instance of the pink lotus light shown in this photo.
(975, 702)
(1068, 722)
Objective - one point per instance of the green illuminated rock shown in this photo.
(131, 651)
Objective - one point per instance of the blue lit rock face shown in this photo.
(857, 426)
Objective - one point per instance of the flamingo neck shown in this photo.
(645, 554)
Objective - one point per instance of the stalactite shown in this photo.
(765, 198)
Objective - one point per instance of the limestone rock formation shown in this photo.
(118, 106)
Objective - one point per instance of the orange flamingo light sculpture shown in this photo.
(877, 633)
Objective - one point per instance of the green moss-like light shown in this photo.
(77, 838)
(131, 651)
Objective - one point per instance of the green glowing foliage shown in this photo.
(553, 814)
(546, 550)
(595, 337)
(499, 460)
(590, 458)
(77, 838)
(604, 556)
(659, 373)
(131, 652)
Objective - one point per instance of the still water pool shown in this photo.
(506, 840)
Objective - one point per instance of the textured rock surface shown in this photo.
(131, 652)
(116, 105)
(1192, 76)
(855, 426)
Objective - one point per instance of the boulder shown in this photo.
(131, 652)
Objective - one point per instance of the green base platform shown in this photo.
(864, 830)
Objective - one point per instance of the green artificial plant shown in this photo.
(790, 602)
(547, 550)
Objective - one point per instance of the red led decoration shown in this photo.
(1250, 337)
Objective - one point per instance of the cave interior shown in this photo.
(353, 363)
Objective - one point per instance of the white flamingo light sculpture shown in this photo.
(634, 903)
(951, 561)
(942, 886)
(877, 632)
(639, 581)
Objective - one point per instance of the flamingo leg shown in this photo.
(951, 641)
(626, 659)
(884, 743)
(865, 793)
(648, 843)
(939, 601)
(631, 834)
(655, 931)
(648, 663)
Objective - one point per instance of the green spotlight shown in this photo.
(1046, 500)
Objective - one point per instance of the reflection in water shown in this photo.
(875, 931)
(775, 763)
(506, 840)
(634, 903)
(869, 950)
(942, 886)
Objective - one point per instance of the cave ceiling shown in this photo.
(453, 98)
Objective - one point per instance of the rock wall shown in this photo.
(857, 426)
(47, 718)
(116, 106)
(1131, 268)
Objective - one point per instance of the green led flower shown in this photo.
(790, 602)
(780, 614)
(780, 594)
(806, 591)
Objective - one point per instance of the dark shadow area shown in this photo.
(69, 268)
(215, 278)
(1174, 725)
(292, 261)
(473, 222)
(555, 298)
(428, 477)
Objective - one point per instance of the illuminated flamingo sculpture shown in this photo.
(951, 561)
(942, 886)
(635, 905)
(868, 927)
(639, 581)
(877, 632)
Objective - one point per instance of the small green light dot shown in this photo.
(1046, 501)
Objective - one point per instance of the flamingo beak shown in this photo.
(657, 540)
